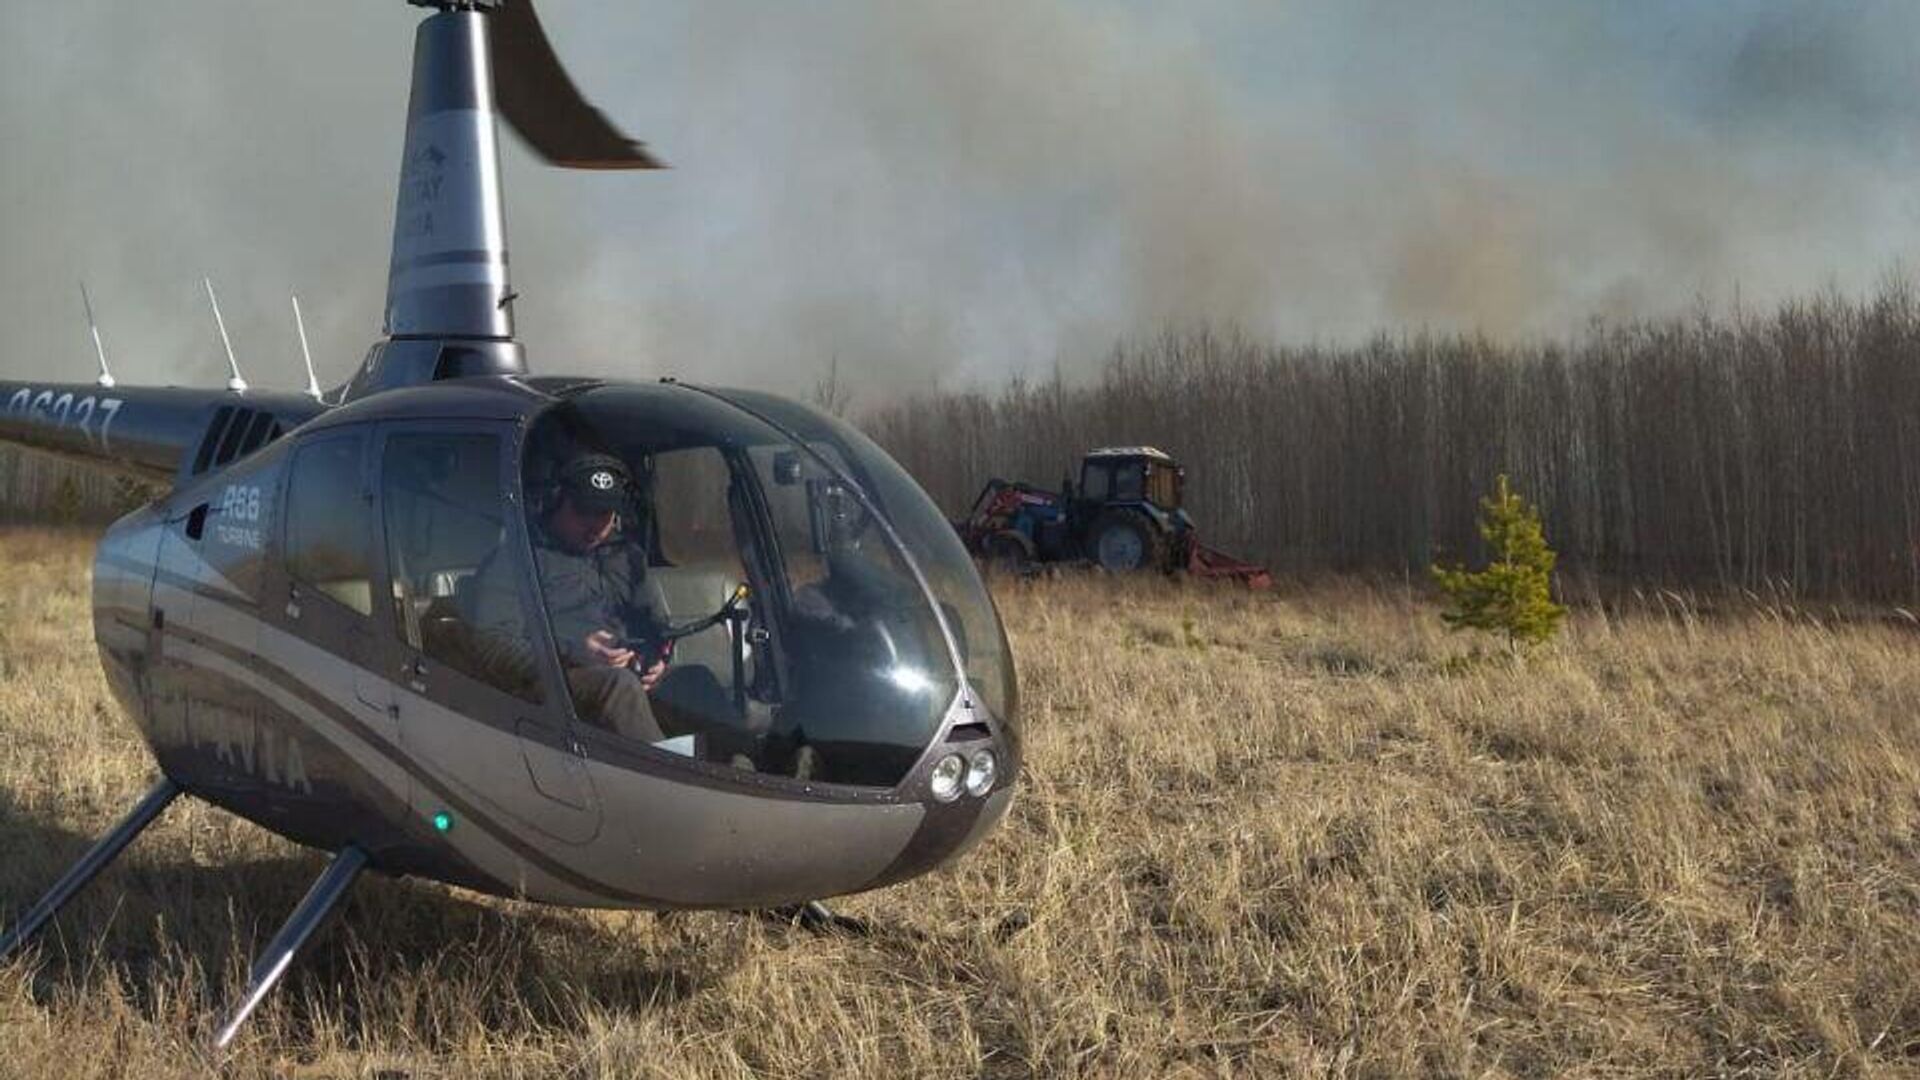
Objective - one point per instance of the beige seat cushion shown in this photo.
(693, 592)
(356, 593)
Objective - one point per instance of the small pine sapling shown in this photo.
(1514, 594)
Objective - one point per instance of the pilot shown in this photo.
(592, 573)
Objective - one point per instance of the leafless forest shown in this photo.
(38, 489)
(1774, 453)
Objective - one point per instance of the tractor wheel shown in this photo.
(1121, 541)
(1007, 555)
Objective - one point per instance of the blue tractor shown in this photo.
(1125, 514)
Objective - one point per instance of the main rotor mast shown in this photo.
(448, 274)
(449, 310)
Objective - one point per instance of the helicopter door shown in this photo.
(476, 711)
(316, 612)
(172, 610)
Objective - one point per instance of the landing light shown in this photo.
(980, 772)
(947, 777)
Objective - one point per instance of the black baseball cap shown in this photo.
(596, 482)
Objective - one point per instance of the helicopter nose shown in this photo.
(964, 785)
(965, 791)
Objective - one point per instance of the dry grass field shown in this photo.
(1308, 832)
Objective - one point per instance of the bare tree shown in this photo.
(829, 395)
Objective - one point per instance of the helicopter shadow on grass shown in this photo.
(164, 923)
(971, 961)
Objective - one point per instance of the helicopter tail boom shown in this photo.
(153, 433)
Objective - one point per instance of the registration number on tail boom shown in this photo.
(64, 409)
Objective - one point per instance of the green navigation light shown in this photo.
(442, 821)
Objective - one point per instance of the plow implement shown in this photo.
(1206, 562)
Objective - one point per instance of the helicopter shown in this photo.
(346, 620)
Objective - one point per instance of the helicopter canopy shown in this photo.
(821, 620)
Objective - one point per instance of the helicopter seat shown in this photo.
(437, 607)
(356, 593)
(446, 601)
(692, 592)
(444, 632)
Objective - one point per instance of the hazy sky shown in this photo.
(942, 193)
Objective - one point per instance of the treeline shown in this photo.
(42, 490)
(1775, 453)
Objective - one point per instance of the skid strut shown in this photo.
(319, 902)
(819, 918)
(104, 851)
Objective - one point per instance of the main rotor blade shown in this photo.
(533, 92)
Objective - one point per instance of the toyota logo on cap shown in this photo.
(602, 480)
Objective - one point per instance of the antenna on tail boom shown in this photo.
(105, 381)
(300, 325)
(236, 384)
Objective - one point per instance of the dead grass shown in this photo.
(1306, 833)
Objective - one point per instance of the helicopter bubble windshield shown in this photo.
(722, 585)
(940, 556)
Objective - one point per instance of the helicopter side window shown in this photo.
(456, 584)
(329, 524)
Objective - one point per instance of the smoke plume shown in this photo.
(934, 194)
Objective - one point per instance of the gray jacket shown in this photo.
(607, 588)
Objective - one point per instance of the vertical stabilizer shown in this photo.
(448, 277)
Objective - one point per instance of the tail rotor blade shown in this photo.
(534, 93)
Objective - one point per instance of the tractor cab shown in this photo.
(1132, 474)
(1126, 513)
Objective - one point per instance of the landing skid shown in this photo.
(104, 851)
(819, 918)
(320, 901)
(314, 908)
